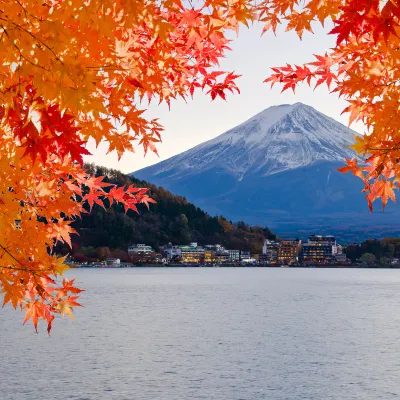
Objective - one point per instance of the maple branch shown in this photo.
(19, 262)
(27, 12)
(21, 269)
(36, 38)
(382, 150)
(18, 49)
(25, 269)
(397, 147)
(99, 67)
(6, 251)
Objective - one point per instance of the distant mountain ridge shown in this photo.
(277, 168)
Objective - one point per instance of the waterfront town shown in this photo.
(316, 251)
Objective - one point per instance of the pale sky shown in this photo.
(189, 124)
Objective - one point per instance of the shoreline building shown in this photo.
(141, 253)
(141, 249)
(289, 251)
(270, 252)
(192, 254)
(171, 252)
(195, 254)
(319, 250)
(338, 253)
(215, 253)
(234, 255)
(244, 255)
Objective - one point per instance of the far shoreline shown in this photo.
(108, 267)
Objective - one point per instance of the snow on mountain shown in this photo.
(279, 138)
(278, 168)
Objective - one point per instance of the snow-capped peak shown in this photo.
(279, 138)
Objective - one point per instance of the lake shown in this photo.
(213, 333)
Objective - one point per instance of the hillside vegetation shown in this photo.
(377, 250)
(172, 219)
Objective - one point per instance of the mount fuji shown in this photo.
(278, 169)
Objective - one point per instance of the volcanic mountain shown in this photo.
(278, 169)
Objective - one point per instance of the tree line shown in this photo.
(172, 219)
(373, 251)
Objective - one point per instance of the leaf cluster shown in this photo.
(75, 70)
(72, 71)
(362, 69)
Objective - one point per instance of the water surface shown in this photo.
(223, 334)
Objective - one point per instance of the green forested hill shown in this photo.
(173, 219)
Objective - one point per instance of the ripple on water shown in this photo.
(215, 334)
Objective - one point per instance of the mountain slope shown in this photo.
(172, 219)
(277, 168)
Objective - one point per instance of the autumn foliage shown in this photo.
(75, 70)
(363, 69)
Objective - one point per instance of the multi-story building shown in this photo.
(320, 250)
(270, 252)
(171, 252)
(337, 249)
(216, 253)
(143, 257)
(192, 254)
(209, 257)
(141, 249)
(222, 257)
(212, 257)
(289, 251)
(338, 254)
(322, 240)
(244, 255)
(234, 255)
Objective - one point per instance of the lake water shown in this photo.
(223, 334)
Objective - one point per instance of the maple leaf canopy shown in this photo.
(78, 70)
